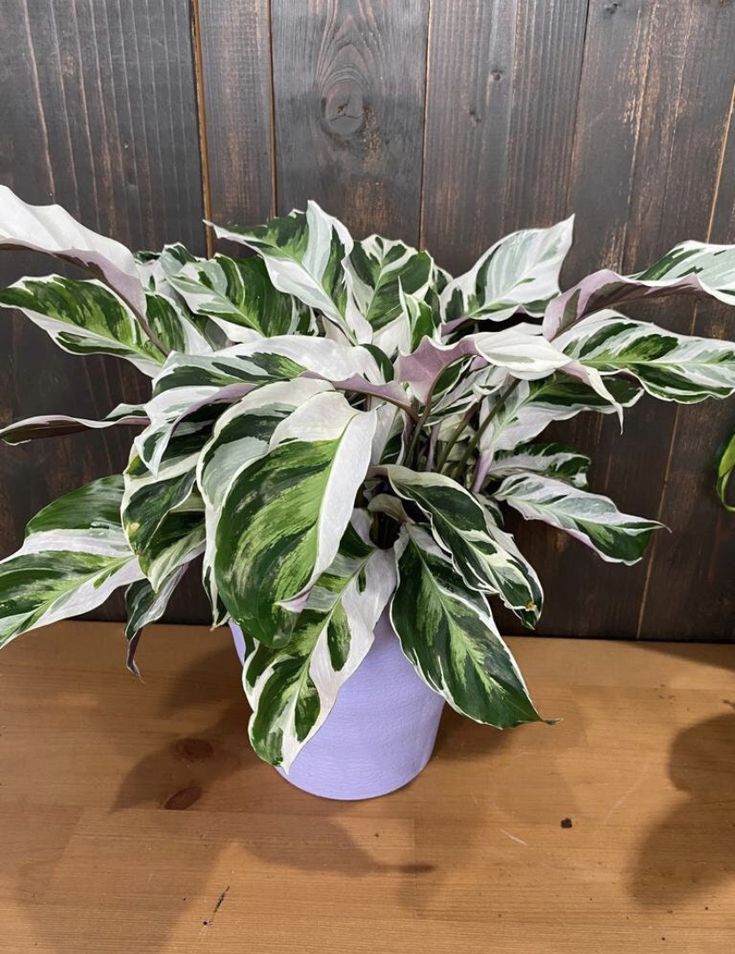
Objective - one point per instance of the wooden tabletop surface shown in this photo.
(134, 818)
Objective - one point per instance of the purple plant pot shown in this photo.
(380, 733)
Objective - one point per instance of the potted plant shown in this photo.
(336, 428)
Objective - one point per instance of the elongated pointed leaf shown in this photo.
(50, 229)
(306, 253)
(551, 460)
(143, 606)
(292, 689)
(521, 351)
(447, 632)
(689, 268)
(238, 295)
(671, 367)
(284, 516)
(83, 317)
(461, 526)
(73, 557)
(57, 425)
(241, 435)
(174, 327)
(591, 518)
(519, 271)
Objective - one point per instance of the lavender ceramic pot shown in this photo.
(380, 733)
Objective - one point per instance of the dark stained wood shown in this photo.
(349, 83)
(99, 115)
(502, 93)
(236, 91)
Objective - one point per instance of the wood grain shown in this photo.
(349, 82)
(134, 816)
(98, 115)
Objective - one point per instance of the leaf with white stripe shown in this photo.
(292, 689)
(50, 229)
(463, 528)
(73, 557)
(670, 366)
(551, 460)
(521, 271)
(306, 254)
(284, 515)
(84, 317)
(591, 518)
(692, 268)
(143, 606)
(446, 630)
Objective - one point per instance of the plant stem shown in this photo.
(464, 423)
(492, 414)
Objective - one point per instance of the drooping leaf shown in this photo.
(284, 515)
(551, 460)
(521, 271)
(671, 367)
(58, 425)
(689, 268)
(143, 606)
(292, 689)
(446, 630)
(591, 518)
(305, 253)
(50, 229)
(83, 317)
(479, 551)
(73, 557)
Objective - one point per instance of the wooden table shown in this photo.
(134, 818)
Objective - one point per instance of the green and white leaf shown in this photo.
(293, 689)
(73, 557)
(306, 254)
(284, 516)
(591, 518)
(550, 460)
(174, 327)
(669, 366)
(50, 229)
(83, 317)
(725, 470)
(143, 606)
(238, 295)
(241, 435)
(479, 551)
(446, 631)
(521, 271)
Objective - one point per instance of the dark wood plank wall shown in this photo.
(444, 122)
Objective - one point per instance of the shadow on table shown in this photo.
(690, 852)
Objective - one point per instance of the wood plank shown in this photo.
(690, 587)
(654, 97)
(502, 95)
(236, 88)
(90, 759)
(99, 115)
(349, 106)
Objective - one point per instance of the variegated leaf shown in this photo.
(284, 515)
(551, 460)
(238, 295)
(84, 317)
(306, 253)
(671, 367)
(292, 689)
(446, 630)
(50, 229)
(58, 425)
(725, 470)
(73, 557)
(143, 606)
(174, 327)
(521, 271)
(462, 527)
(590, 518)
(241, 435)
(689, 268)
